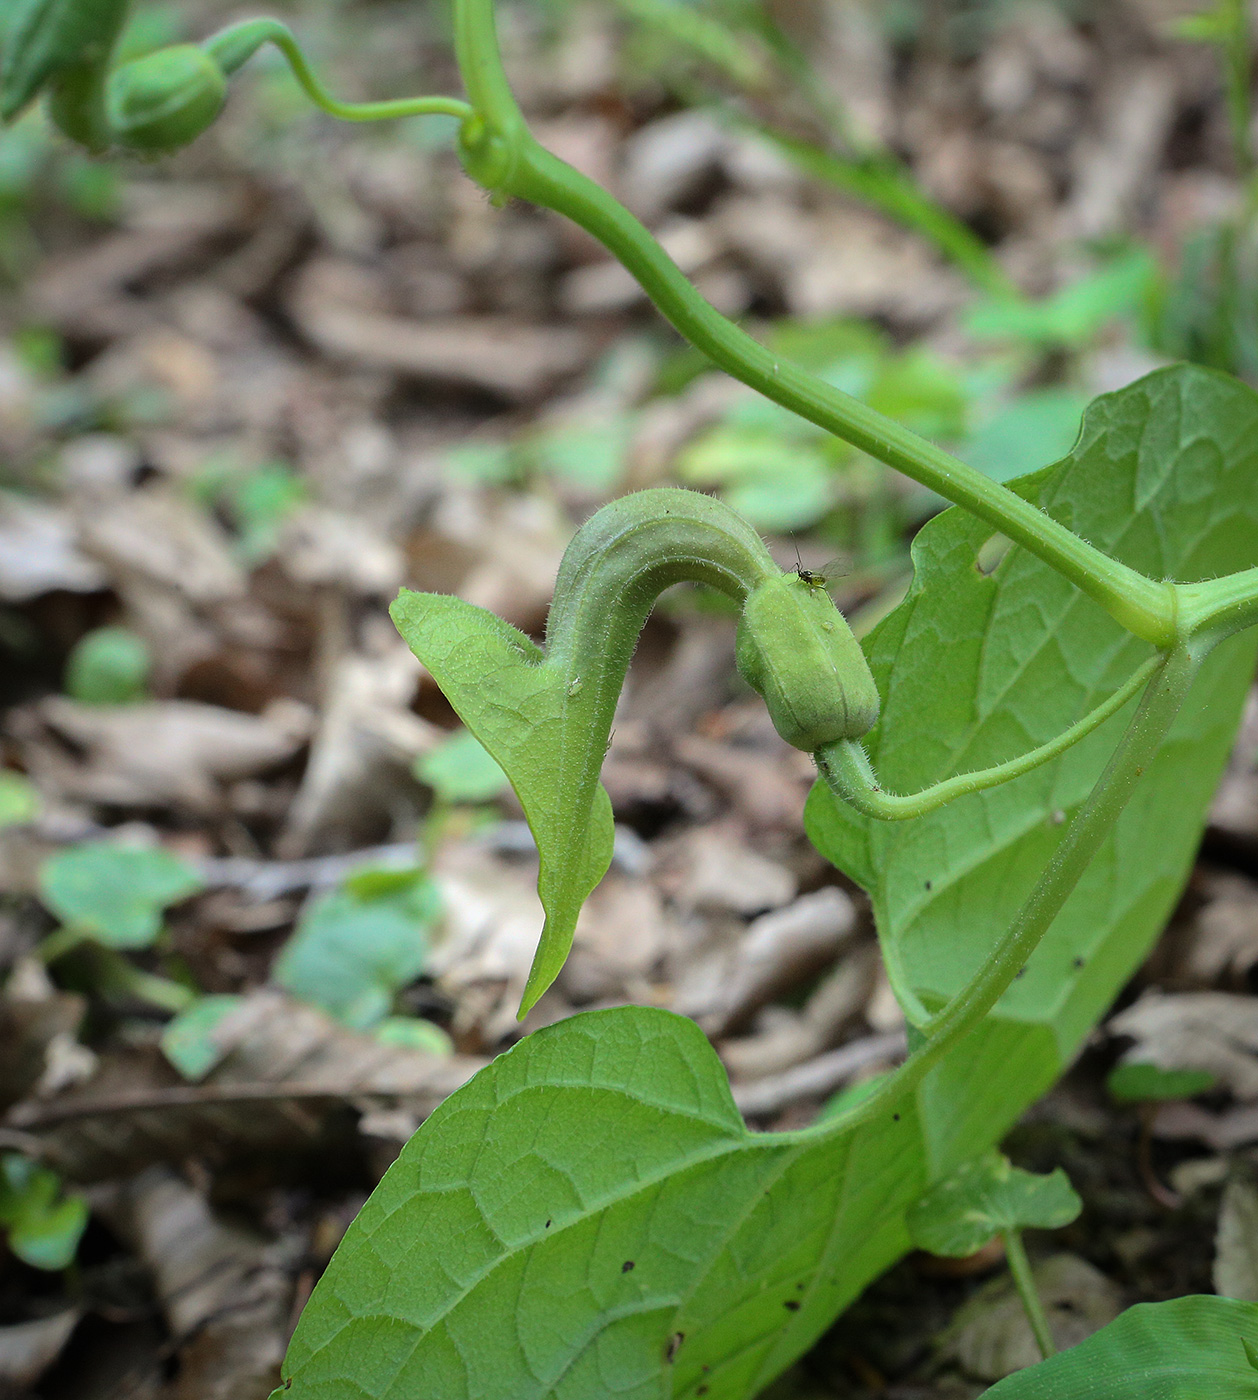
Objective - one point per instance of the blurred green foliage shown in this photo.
(43, 1225)
(109, 666)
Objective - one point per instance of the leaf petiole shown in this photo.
(1024, 1282)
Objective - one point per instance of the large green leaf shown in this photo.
(976, 668)
(1197, 1348)
(590, 1217)
(490, 1264)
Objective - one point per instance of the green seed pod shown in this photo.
(166, 99)
(66, 43)
(795, 648)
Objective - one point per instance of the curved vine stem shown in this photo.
(233, 47)
(846, 768)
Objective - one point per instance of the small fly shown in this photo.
(811, 577)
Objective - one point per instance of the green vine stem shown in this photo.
(232, 48)
(846, 768)
(500, 153)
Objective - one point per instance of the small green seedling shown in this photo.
(113, 898)
(42, 1224)
(355, 948)
(1132, 1081)
(1016, 764)
(19, 799)
(110, 666)
(986, 1197)
(1194, 1348)
(113, 894)
(256, 501)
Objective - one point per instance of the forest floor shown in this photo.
(248, 392)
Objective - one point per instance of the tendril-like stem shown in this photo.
(846, 768)
(231, 48)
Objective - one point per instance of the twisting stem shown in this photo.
(1024, 1282)
(846, 768)
(235, 46)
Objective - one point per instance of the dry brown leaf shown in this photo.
(819, 1078)
(287, 1076)
(778, 951)
(507, 357)
(27, 1349)
(491, 923)
(1223, 942)
(163, 752)
(87, 291)
(768, 789)
(991, 1336)
(622, 933)
(33, 1015)
(323, 547)
(840, 261)
(1236, 1242)
(1235, 810)
(360, 758)
(161, 537)
(714, 868)
(792, 1037)
(225, 1293)
(39, 553)
(1211, 1031)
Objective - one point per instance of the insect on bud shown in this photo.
(166, 99)
(795, 648)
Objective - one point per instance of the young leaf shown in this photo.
(357, 946)
(44, 1227)
(115, 894)
(188, 1041)
(19, 799)
(1195, 1348)
(984, 1197)
(1073, 315)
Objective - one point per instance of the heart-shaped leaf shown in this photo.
(115, 894)
(984, 1197)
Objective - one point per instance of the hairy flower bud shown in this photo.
(795, 648)
(166, 99)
